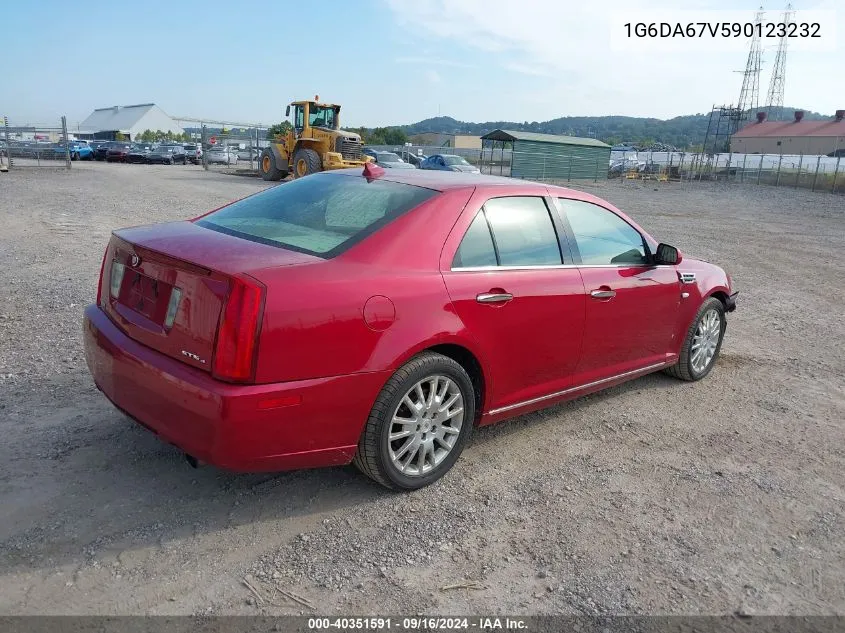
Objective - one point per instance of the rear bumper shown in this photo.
(730, 302)
(236, 427)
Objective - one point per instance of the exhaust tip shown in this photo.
(193, 461)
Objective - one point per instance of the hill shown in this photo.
(681, 132)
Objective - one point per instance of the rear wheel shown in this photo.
(419, 425)
(702, 342)
(267, 165)
(306, 161)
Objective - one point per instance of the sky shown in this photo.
(391, 62)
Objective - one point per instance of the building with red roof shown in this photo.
(797, 136)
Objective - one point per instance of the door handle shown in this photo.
(603, 294)
(494, 297)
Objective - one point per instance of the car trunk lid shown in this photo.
(167, 285)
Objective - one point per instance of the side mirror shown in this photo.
(287, 111)
(667, 255)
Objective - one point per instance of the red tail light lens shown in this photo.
(237, 336)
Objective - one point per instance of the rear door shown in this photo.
(632, 305)
(518, 295)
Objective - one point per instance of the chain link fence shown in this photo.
(48, 145)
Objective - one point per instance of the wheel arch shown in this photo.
(463, 354)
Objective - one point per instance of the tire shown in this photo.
(374, 458)
(170, 161)
(267, 166)
(305, 162)
(689, 367)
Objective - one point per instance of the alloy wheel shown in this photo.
(425, 426)
(705, 341)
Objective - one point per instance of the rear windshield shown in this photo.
(321, 214)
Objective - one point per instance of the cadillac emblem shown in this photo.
(134, 260)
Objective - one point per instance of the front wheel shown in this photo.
(306, 161)
(419, 425)
(702, 343)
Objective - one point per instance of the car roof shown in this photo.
(448, 180)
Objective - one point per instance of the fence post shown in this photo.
(798, 177)
(742, 173)
(760, 168)
(816, 176)
(67, 144)
(777, 179)
(204, 140)
(835, 174)
(730, 161)
(596, 172)
(8, 143)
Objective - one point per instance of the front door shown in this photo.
(521, 305)
(632, 305)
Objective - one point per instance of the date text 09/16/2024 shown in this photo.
(417, 623)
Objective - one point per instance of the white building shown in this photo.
(129, 120)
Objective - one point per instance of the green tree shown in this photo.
(279, 129)
(395, 136)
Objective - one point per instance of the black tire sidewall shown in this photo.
(388, 470)
(710, 304)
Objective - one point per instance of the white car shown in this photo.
(222, 155)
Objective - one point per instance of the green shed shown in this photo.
(545, 156)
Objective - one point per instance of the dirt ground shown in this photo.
(654, 497)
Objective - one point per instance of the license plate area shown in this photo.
(146, 295)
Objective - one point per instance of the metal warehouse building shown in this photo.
(130, 121)
(797, 136)
(548, 156)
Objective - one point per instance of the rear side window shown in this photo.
(476, 248)
(513, 231)
(323, 214)
(523, 231)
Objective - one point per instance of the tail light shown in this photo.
(237, 337)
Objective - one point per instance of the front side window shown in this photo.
(323, 214)
(603, 238)
(455, 160)
(321, 117)
(512, 231)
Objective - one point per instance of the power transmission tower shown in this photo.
(749, 95)
(774, 100)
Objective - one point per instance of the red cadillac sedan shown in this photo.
(377, 317)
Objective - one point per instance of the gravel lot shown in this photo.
(654, 497)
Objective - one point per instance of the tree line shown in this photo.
(149, 136)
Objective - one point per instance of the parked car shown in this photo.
(412, 158)
(102, 149)
(193, 152)
(379, 318)
(167, 155)
(222, 155)
(389, 160)
(79, 150)
(249, 154)
(118, 152)
(368, 151)
(448, 162)
(139, 154)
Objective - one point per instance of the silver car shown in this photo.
(222, 155)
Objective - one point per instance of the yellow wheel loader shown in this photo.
(315, 143)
